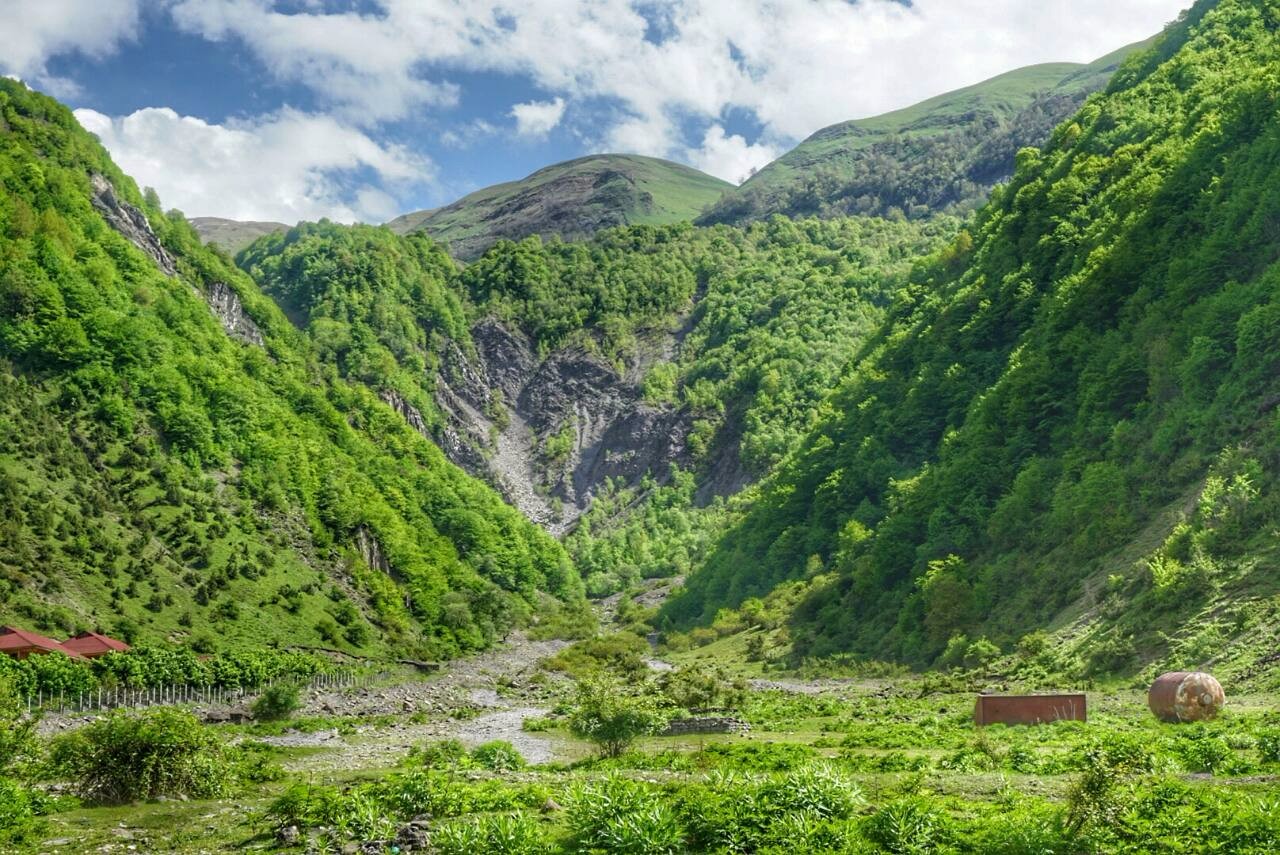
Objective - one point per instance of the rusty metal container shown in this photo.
(1185, 696)
(1028, 709)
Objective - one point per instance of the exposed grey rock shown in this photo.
(226, 307)
(132, 223)
(503, 403)
(408, 411)
(129, 221)
(415, 835)
(371, 551)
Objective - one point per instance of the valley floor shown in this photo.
(902, 741)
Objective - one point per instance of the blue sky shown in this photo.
(363, 109)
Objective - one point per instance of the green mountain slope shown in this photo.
(945, 153)
(178, 462)
(573, 200)
(1070, 419)
(233, 235)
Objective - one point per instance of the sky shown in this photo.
(364, 109)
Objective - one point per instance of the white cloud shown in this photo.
(286, 166)
(730, 157)
(536, 119)
(34, 31)
(796, 65)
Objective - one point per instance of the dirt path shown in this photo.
(475, 700)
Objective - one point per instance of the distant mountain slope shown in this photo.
(574, 200)
(233, 235)
(941, 154)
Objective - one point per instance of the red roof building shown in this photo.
(20, 644)
(92, 645)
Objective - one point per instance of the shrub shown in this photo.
(1269, 745)
(622, 817)
(621, 653)
(908, 826)
(611, 717)
(442, 754)
(277, 702)
(17, 811)
(498, 756)
(126, 757)
(818, 790)
(495, 834)
(1094, 800)
(17, 730)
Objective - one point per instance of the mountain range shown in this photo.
(995, 369)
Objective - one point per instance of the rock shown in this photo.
(503, 404)
(415, 835)
(226, 307)
(288, 836)
(129, 221)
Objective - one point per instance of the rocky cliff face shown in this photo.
(132, 223)
(549, 432)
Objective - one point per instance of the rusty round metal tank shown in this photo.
(1185, 696)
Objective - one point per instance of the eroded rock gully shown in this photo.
(505, 406)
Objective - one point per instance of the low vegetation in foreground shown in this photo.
(826, 766)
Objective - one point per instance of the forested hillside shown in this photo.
(566, 372)
(941, 155)
(1073, 407)
(178, 462)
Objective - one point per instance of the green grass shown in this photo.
(890, 741)
(515, 209)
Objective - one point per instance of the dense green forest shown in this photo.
(166, 480)
(1075, 402)
(766, 317)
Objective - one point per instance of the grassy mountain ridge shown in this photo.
(1074, 403)
(169, 481)
(573, 200)
(233, 235)
(945, 153)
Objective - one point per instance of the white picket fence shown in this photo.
(182, 695)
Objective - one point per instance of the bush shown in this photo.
(498, 756)
(908, 826)
(621, 653)
(611, 717)
(17, 730)
(1095, 799)
(17, 811)
(127, 757)
(817, 790)
(496, 834)
(441, 754)
(277, 702)
(1269, 745)
(622, 817)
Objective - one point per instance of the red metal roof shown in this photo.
(92, 644)
(20, 641)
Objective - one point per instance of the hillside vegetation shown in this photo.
(172, 472)
(941, 155)
(1072, 406)
(572, 200)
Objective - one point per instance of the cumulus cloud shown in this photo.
(536, 119)
(730, 156)
(285, 166)
(797, 65)
(34, 31)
